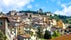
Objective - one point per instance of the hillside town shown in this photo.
(32, 25)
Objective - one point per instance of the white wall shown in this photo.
(8, 31)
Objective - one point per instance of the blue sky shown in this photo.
(61, 7)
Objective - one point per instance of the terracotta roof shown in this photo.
(4, 17)
(64, 37)
(25, 36)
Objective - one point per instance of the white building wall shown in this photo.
(33, 37)
(64, 27)
(7, 31)
(54, 22)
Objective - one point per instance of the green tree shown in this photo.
(47, 35)
(56, 34)
(39, 32)
(31, 33)
(2, 36)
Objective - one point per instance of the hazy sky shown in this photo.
(62, 7)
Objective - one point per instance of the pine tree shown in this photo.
(47, 35)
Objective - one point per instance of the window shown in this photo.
(0, 23)
(19, 28)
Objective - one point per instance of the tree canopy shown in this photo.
(2, 36)
(47, 35)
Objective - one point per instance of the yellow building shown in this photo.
(60, 24)
(46, 20)
(20, 29)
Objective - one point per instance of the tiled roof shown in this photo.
(25, 36)
(4, 17)
(64, 37)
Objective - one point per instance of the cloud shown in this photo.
(65, 11)
(29, 6)
(7, 5)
